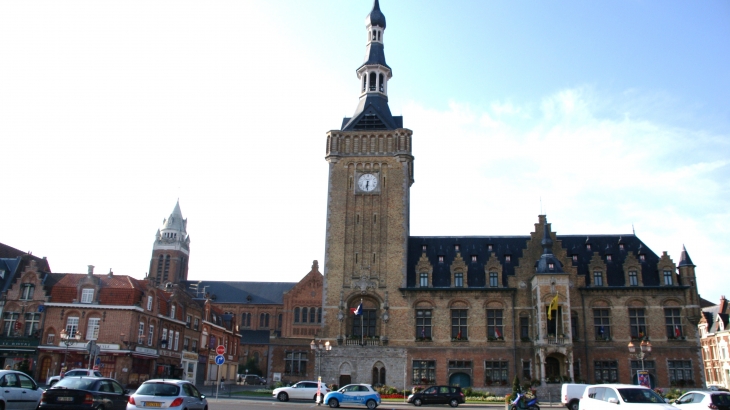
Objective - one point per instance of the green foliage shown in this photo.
(251, 366)
(673, 394)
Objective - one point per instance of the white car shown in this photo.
(628, 396)
(299, 391)
(75, 372)
(167, 394)
(18, 391)
(703, 400)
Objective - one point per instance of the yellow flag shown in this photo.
(553, 306)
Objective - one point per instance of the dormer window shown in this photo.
(575, 258)
(608, 258)
(441, 258)
(456, 248)
(423, 248)
(473, 258)
(507, 258)
(642, 258)
(621, 246)
(87, 295)
(551, 266)
(172, 311)
(490, 247)
(588, 246)
(149, 302)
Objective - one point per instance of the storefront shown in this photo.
(189, 366)
(20, 353)
(141, 366)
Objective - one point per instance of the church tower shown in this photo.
(370, 175)
(171, 250)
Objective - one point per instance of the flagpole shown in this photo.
(362, 326)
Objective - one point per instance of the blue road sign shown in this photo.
(219, 360)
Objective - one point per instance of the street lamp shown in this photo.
(644, 350)
(319, 350)
(68, 340)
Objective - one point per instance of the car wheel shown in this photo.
(333, 403)
(283, 397)
(574, 405)
(453, 403)
(371, 404)
(417, 402)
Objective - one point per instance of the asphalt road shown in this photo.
(259, 403)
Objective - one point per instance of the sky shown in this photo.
(606, 116)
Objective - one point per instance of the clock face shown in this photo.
(367, 182)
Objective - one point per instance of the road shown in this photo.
(271, 404)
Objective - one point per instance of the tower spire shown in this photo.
(373, 112)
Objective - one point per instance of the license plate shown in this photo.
(152, 404)
(64, 399)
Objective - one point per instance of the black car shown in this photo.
(85, 392)
(450, 395)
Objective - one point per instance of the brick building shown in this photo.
(714, 329)
(478, 310)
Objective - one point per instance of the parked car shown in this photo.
(703, 400)
(717, 388)
(252, 379)
(300, 391)
(450, 395)
(85, 392)
(18, 391)
(570, 394)
(75, 372)
(167, 393)
(362, 394)
(629, 396)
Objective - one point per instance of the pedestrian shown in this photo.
(223, 381)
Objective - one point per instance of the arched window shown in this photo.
(373, 78)
(305, 316)
(364, 84)
(296, 315)
(261, 320)
(278, 322)
(380, 84)
(319, 315)
(312, 314)
(266, 320)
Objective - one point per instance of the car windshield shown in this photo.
(640, 396)
(721, 399)
(158, 389)
(74, 383)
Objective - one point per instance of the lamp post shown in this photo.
(319, 350)
(68, 340)
(644, 350)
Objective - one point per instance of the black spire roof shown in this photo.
(548, 263)
(684, 259)
(376, 17)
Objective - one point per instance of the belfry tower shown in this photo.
(171, 250)
(370, 175)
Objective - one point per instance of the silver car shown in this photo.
(18, 391)
(159, 393)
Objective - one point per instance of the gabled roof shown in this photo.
(242, 292)
(372, 113)
(114, 290)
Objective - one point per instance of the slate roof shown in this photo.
(514, 246)
(9, 252)
(254, 337)
(372, 113)
(239, 292)
(375, 17)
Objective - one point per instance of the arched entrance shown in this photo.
(552, 369)
(345, 377)
(45, 369)
(460, 380)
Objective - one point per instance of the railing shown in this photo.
(558, 341)
(365, 342)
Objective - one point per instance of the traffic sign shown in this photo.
(220, 350)
(219, 360)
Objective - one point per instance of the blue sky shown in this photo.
(603, 115)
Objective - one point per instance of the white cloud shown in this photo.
(593, 173)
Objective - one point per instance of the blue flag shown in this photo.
(358, 311)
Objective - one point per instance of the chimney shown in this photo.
(91, 270)
(723, 304)
(110, 274)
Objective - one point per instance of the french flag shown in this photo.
(357, 311)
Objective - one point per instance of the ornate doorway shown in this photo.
(552, 369)
(460, 379)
